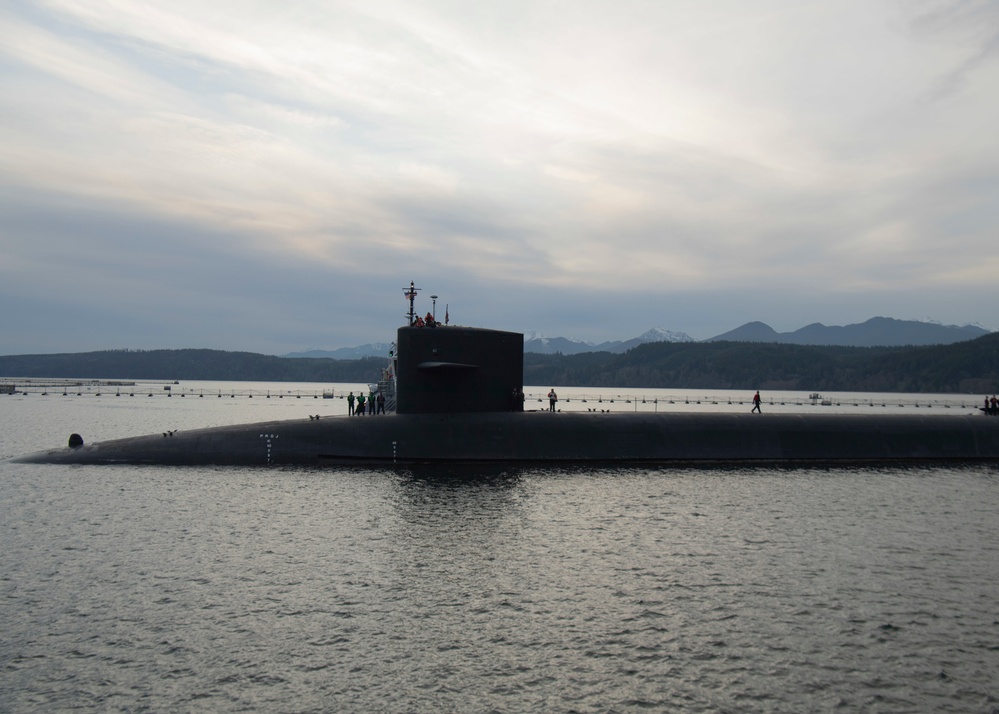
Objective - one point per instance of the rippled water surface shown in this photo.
(490, 590)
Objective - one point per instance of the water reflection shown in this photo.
(453, 476)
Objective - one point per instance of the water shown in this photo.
(506, 590)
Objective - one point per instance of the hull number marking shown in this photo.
(270, 438)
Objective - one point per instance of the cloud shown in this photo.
(610, 160)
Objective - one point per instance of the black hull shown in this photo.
(557, 438)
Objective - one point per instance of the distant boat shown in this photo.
(329, 395)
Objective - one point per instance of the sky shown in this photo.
(269, 177)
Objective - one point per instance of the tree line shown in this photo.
(193, 364)
(970, 367)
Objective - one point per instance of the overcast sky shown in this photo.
(269, 176)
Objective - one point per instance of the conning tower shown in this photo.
(442, 370)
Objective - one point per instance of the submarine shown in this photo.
(458, 399)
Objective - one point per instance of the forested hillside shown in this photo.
(970, 367)
(966, 367)
(191, 364)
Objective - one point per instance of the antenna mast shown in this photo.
(410, 294)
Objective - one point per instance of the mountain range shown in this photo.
(965, 367)
(375, 349)
(534, 342)
(876, 332)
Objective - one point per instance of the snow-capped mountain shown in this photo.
(534, 342)
(661, 334)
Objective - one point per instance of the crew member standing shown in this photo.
(350, 404)
(552, 398)
(756, 403)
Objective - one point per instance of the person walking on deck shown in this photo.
(756, 403)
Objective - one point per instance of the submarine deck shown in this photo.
(560, 438)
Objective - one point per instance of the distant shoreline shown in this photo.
(970, 367)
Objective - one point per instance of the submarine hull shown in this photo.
(556, 438)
